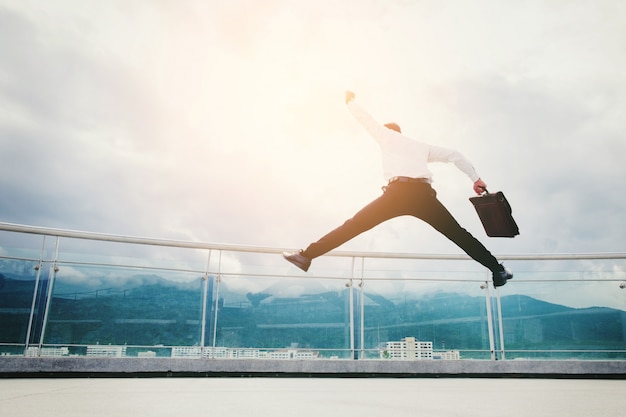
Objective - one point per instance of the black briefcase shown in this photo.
(494, 212)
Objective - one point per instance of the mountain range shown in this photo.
(148, 310)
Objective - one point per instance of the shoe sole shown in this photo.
(504, 283)
(303, 267)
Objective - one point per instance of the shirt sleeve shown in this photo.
(439, 154)
(373, 127)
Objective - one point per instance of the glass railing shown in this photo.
(66, 293)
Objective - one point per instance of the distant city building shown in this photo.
(216, 353)
(186, 352)
(411, 349)
(238, 353)
(34, 351)
(106, 351)
(54, 351)
(293, 354)
(450, 355)
(408, 349)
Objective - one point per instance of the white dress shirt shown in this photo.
(405, 156)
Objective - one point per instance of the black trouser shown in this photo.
(399, 199)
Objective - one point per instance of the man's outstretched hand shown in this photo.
(349, 96)
(480, 186)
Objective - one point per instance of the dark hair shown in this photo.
(393, 126)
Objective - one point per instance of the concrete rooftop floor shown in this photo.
(301, 397)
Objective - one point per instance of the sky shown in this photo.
(225, 121)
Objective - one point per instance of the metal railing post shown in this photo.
(218, 279)
(492, 348)
(362, 312)
(51, 278)
(350, 286)
(500, 327)
(205, 289)
(31, 317)
(351, 316)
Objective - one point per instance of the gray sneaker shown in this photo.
(501, 277)
(298, 259)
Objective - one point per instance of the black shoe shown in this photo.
(298, 259)
(501, 277)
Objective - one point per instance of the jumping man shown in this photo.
(408, 192)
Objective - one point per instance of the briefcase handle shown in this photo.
(500, 196)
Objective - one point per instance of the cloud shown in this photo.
(224, 122)
(556, 156)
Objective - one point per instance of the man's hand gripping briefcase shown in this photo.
(494, 212)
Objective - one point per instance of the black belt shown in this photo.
(409, 179)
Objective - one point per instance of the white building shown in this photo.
(54, 351)
(34, 351)
(293, 354)
(186, 352)
(408, 349)
(241, 353)
(450, 355)
(106, 351)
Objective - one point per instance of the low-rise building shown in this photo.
(408, 349)
(106, 351)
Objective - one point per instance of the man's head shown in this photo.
(393, 126)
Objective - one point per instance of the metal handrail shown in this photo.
(47, 231)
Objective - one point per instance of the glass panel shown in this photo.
(439, 303)
(19, 259)
(21, 245)
(448, 318)
(17, 288)
(565, 320)
(109, 307)
(286, 318)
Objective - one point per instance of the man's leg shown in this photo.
(383, 208)
(376, 212)
(435, 214)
